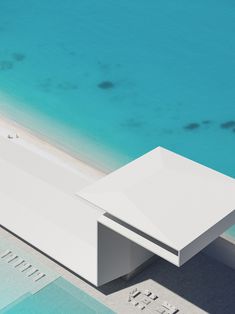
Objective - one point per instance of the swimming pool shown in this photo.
(116, 79)
(57, 297)
(20, 293)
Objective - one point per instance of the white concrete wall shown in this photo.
(207, 237)
(117, 256)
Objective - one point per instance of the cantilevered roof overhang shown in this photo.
(166, 203)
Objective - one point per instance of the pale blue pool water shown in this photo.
(59, 297)
(171, 64)
(20, 294)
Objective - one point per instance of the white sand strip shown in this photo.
(27, 151)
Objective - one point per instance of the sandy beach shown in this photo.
(23, 137)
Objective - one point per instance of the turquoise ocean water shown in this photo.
(110, 80)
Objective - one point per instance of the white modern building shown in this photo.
(103, 227)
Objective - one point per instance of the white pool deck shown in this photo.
(161, 203)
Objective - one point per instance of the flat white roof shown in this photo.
(45, 213)
(163, 196)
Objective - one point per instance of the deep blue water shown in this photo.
(168, 68)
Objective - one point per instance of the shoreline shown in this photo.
(221, 249)
(36, 142)
(33, 141)
(93, 154)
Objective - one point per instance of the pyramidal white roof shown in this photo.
(164, 196)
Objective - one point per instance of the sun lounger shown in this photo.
(23, 267)
(134, 303)
(153, 296)
(135, 294)
(161, 310)
(146, 301)
(10, 257)
(5, 253)
(172, 311)
(32, 271)
(170, 308)
(141, 306)
(38, 277)
(146, 292)
(17, 262)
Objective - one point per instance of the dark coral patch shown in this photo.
(18, 56)
(6, 65)
(206, 121)
(106, 85)
(228, 124)
(192, 126)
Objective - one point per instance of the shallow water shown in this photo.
(127, 76)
